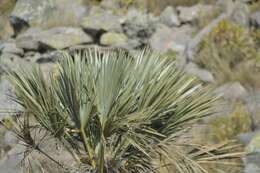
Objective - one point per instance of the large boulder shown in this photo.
(55, 38)
(46, 13)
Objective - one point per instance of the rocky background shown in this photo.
(217, 41)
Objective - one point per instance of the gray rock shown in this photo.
(252, 159)
(11, 162)
(47, 13)
(245, 138)
(190, 14)
(10, 139)
(11, 48)
(169, 17)
(166, 38)
(55, 38)
(202, 74)
(100, 19)
(63, 37)
(6, 104)
(240, 14)
(110, 4)
(252, 101)
(139, 26)
(232, 90)
(29, 39)
(255, 19)
(9, 62)
(252, 168)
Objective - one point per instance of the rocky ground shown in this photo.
(34, 31)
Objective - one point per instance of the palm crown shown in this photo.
(116, 112)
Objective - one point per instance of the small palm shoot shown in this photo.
(120, 113)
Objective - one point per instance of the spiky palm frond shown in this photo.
(117, 112)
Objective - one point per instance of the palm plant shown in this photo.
(116, 112)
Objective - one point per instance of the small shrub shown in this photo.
(227, 127)
(230, 53)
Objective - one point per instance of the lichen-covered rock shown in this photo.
(114, 39)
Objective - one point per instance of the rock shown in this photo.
(252, 159)
(166, 38)
(10, 62)
(6, 104)
(55, 38)
(5, 28)
(190, 14)
(11, 48)
(169, 17)
(252, 168)
(46, 13)
(255, 19)
(63, 37)
(11, 162)
(114, 39)
(202, 74)
(139, 26)
(232, 91)
(252, 101)
(110, 4)
(10, 139)
(240, 14)
(245, 138)
(100, 19)
(29, 39)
